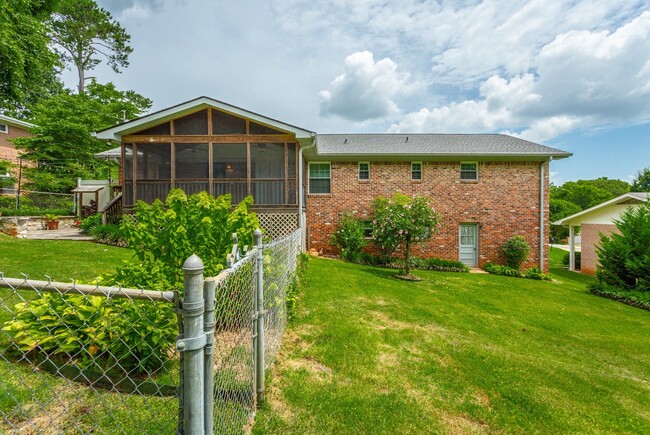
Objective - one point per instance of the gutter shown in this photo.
(301, 178)
(541, 211)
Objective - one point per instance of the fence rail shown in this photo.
(80, 358)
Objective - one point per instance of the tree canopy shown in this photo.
(63, 145)
(27, 65)
(642, 181)
(84, 33)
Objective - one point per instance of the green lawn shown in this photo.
(39, 402)
(459, 353)
(62, 260)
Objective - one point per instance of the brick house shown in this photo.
(488, 187)
(11, 128)
(594, 221)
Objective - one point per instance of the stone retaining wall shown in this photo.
(17, 226)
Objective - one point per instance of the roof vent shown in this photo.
(346, 140)
(407, 139)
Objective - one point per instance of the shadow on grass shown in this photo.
(576, 277)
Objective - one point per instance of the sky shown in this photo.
(574, 75)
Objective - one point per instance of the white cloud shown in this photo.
(366, 89)
(583, 79)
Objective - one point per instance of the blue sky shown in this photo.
(570, 74)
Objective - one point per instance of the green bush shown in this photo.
(35, 211)
(624, 257)
(94, 330)
(497, 269)
(536, 273)
(349, 237)
(577, 257)
(110, 234)
(87, 224)
(516, 251)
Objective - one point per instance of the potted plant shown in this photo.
(52, 221)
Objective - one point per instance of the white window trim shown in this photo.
(309, 178)
(468, 179)
(6, 129)
(421, 171)
(359, 171)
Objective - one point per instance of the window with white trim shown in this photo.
(469, 171)
(320, 178)
(364, 170)
(4, 128)
(416, 171)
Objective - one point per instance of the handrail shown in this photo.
(113, 211)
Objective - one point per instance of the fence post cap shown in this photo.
(257, 237)
(193, 263)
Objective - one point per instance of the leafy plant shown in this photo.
(89, 223)
(349, 237)
(516, 251)
(577, 257)
(624, 257)
(497, 269)
(50, 217)
(403, 221)
(94, 330)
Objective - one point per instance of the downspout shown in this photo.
(301, 179)
(541, 212)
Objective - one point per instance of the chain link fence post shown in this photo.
(209, 290)
(192, 345)
(259, 315)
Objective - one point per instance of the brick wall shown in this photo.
(504, 201)
(7, 149)
(591, 238)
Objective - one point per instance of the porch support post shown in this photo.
(572, 248)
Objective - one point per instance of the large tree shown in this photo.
(642, 181)
(84, 33)
(63, 145)
(27, 65)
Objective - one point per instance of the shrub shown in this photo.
(109, 234)
(293, 291)
(625, 258)
(349, 236)
(516, 251)
(536, 273)
(497, 269)
(94, 330)
(577, 257)
(87, 224)
(403, 221)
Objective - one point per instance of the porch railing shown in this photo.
(112, 213)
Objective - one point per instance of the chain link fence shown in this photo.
(79, 359)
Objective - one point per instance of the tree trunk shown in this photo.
(80, 72)
(407, 257)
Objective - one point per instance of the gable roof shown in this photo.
(392, 146)
(115, 133)
(15, 122)
(625, 199)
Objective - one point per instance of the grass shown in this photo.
(459, 353)
(39, 402)
(62, 260)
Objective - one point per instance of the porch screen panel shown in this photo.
(292, 174)
(267, 173)
(152, 171)
(192, 166)
(225, 123)
(229, 170)
(127, 175)
(196, 123)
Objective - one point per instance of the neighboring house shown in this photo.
(488, 187)
(11, 128)
(594, 221)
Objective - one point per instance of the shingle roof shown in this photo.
(431, 145)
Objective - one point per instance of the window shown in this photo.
(364, 171)
(367, 229)
(4, 128)
(319, 178)
(416, 170)
(469, 171)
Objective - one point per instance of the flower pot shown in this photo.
(52, 225)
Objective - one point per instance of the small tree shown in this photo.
(625, 258)
(516, 251)
(402, 221)
(642, 181)
(349, 236)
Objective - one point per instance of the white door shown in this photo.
(468, 244)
